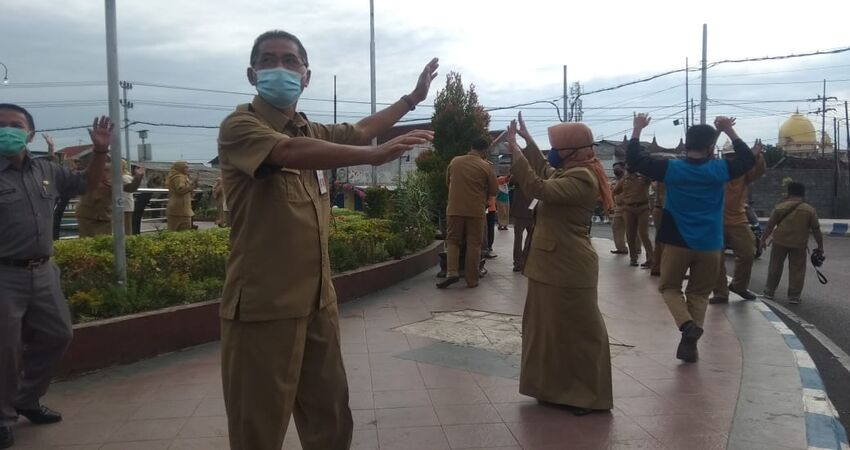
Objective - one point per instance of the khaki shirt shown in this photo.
(561, 252)
(793, 231)
(278, 266)
(179, 196)
(472, 181)
(633, 190)
(96, 204)
(617, 197)
(737, 190)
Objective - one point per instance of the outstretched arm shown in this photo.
(655, 169)
(744, 159)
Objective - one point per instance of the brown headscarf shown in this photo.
(577, 136)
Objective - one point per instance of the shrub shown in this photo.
(413, 218)
(169, 269)
(377, 202)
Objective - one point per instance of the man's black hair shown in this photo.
(618, 163)
(700, 137)
(16, 108)
(278, 34)
(480, 144)
(797, 189)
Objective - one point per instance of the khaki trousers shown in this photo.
(742, 241)
(278, 368)
(657, 216)
(637, 227)
(179, 223)
(796, 270)
(521, 245)
(462, 229)
(618, 228)
(503, 210)
(703, 266)
(91, 228)
(128, 223)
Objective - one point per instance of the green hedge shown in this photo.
(167, 269)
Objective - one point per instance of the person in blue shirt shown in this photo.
(692, 224)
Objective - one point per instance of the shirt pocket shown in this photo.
(292, 186)
(545, 244)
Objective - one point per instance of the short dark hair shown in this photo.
(16, 108)
(278, 34)
(700, 137)
(618, 163)
(480, 144)
(797, 189)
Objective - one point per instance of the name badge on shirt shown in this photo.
(533, 204)
(323, 184)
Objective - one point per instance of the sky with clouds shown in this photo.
(513, 52)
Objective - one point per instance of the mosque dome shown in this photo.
(797, 130)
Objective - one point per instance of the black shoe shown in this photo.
(687, 350)
(447, 282)
(490, 255)
(717, 299)
(655, 274)
(7, 438)
(40, 416)
(620, 252)
(746, 294)
(517, 268)
(646, 265)
(634, 263)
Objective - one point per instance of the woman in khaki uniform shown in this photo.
(565, 355)
(179, 210)
(94, 210)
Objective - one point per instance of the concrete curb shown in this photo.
(823, 429)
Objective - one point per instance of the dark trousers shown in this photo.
(491, 229)
(35, 330)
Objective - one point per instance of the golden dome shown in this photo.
(797, 130)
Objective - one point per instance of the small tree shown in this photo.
(772, 155)
(458, 119)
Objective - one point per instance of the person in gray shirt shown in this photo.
(35, 324)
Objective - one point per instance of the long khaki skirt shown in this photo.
(565, 354)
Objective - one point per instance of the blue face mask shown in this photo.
(280, 87)
(554, 159)
(12, 141)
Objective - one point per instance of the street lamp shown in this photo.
(5, 74)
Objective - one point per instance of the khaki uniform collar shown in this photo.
(278, 120)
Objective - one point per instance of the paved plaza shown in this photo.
(438, 369)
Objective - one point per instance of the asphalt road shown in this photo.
(827, 307)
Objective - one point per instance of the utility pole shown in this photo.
(566, 98)
(120, 262)
(847, 134)
(372, 67)
(125, 86)
(576, 113)
(823, 120)
(687, 96)
(703, 94)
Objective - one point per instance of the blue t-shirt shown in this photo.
(694, 202)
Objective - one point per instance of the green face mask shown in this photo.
(12, 141)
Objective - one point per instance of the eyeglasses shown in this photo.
(290, 62)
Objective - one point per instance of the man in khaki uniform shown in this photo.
(280, 345)
(472, 182)
(618, 224)
(179, 212)
(94, 210)
(736, 232)
(790, 224)
(633, 190)
(523, 219)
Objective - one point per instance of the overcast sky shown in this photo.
(513, 52)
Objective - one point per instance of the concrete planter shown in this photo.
(130, 338)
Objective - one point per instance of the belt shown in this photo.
(636, 204)
(28, 263)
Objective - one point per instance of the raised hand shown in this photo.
(510, 138)
(101, 133)
(724, 124)
(523, 130)
(641, 121)
(139, 171)
(423, 84)
(394, 148)
(48, 139)
(757, 147)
